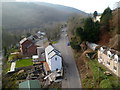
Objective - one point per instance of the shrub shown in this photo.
(75, 45)
(105, 84)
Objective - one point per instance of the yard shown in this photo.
(24, 63)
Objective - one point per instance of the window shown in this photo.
(108, 63)
(115, 60)
(56, 59)
(115, 68)
(109, 55)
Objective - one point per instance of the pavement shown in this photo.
(71, 75)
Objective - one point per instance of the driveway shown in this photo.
(71, 75)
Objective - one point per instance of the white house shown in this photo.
(110, 58)
(53, 58)
(97, 19)
(92, 46)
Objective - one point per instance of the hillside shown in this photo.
(34, 15)
(64, 8)
(115, 25)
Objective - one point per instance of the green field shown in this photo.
(24, 63)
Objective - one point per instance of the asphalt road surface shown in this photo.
(71, 75)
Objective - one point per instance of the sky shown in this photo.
(88, 6)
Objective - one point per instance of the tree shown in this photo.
(75, 43)
(80, 33)
(28, 34)
(95, 14)
(90, 32)
(105, 19)
(88, 29)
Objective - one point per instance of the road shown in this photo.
(71, 75)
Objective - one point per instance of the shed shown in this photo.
(35, 57)
(92, 46)
(40, 50)
(30, 84)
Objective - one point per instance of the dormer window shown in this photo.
(116, 58)
(101, 50)
(109, 54)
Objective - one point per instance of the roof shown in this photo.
(23, 40)
(35, 36)
(43, 33)
(30, 84)
(113, 52)
(29, 45)
(92, 45)
(49, 48)
(56, 51)
(35, 56)
(30, 37)
(53, 53)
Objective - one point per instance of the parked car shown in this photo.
(68, 44)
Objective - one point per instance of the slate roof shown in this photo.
(51, 51)
(23, 40)
(113, 52)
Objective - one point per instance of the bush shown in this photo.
(75, 45)
(15, 56)
(105, 84)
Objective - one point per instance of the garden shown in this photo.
(23, 63)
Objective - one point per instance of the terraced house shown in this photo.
(110, 58)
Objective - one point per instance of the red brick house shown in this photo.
(27, 47)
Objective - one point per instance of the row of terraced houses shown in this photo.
(110, 58)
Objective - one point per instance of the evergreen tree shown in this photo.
(90, 32)
(95, 14)
(105, 18)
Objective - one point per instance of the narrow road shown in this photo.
(71, 76)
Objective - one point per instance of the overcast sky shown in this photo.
(88, 6)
